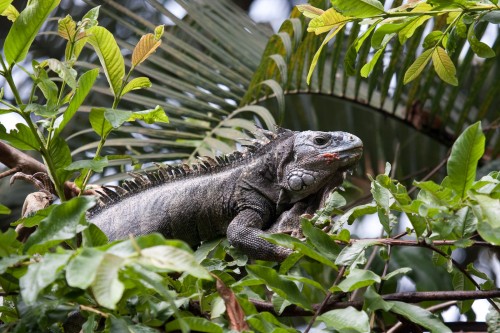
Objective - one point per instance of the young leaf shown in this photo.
(328, 37)
(100, 124)
(310, 11)
(137, 83)
(84, 84)
(106, 287)
(346, 320)
(40, 275)
(418, 66)
(443, 66)
(330, 19)
(144, 48)
(4, 4)
(283, 287)
(479, 48)
(66, 28)
(91, 17)
(462, 163)
(11, 13)
(368, 67)
(25, 28)
(109, 54)
(61, 224)
(358, 8)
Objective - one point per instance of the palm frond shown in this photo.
(433, 107)
(199, 75)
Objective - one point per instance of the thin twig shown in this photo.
(90, 309)
(431, 173)
(415, 243)
(464, 272)
(325, 300)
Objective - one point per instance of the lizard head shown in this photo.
(319, 158)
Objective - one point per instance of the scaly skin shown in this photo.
(265, 191)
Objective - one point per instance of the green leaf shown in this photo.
(94, 165)
(49, 90)
(92, 15)
(117, 117)
(320, 240)
(358, 8)
(354, 254)
(106, 287)
(487, 211)
(137, 83)
(8, 242)
(61, 224)
(25, 29)
(109, 54)
(295, 244)
(368, 67)
(348, 320)
(418, 66)
(419, 316)
(355, 212)
(443, 66)
(84, 85)
(4, 210)
(384, 30)
(151, 116)
(41, 275)
(310, 11)
(99, 123)
(432, 39)
(93, 236)
(7, 262)
(409, 29)
(61, 157)
(197, 324)
(402, 270)
(281, 286)
(352, 51)
(66, 73)
(357, 278)
(20, 138)
(462, 163)
(173, 259)
(479, 48)
(82, 269)
(35, 219)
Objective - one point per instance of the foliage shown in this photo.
(402, 21)
(68, 271)
(44, 135)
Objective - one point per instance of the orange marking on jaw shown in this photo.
(330, 157)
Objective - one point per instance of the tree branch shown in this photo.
(401, 242)
(408, 297)
(15, 159)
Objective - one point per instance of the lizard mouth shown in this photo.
(345, 159)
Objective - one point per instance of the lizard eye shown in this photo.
(320, 140)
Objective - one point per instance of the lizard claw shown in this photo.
(40, 180)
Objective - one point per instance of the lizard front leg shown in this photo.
(243, 233)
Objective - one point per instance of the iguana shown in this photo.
(241, 195)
